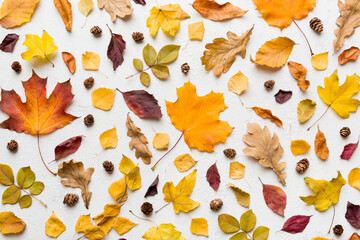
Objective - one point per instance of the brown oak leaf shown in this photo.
(116, 8)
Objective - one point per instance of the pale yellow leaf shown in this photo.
(161, 141)
(237, 170)
(196, 30)
(238, 83)
(85, 7)
(90, 61)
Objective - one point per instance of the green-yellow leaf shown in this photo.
(299, 147)
(168, 54)
(11, 195)
(239, 236)
(6, 175)
(138, 64)
(149, 55)
(248, 221)
(25, 177)
(160, 71)
(305, 110)
(145, 79)
(37, 188)
(228, 224)
(25, 201)
(261, 233)
(243, 198)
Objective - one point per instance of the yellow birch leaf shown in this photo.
(105, 223)
(299, 147)
(94, 233)
(103, 98)
(132, 173)
(109, 138)
(82, 223)
(243, 198)
(354, 178)
(305, 110)
(184, 162)
(10, 224)
(196, 30)
(237, 170)
(54, 227)
(163, 231)
(38, 47)
(122, 225)
(199, 226)
(90, 61)
(85, 7)
(161, 141)
(15, 13)
(320, 61)
(117, 190)
(238, 83)
(112, 209)
(126, 165)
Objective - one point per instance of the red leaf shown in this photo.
(152, 190)
(142, 2)
(349, 150)
(275, 198)
(282, 96)
(116, 49)
(353, 214)
(9, 42)
(68, 147)
(349, 54)
(142, 103)
(296, 224)
(213, 177)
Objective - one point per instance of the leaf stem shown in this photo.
(319, 118)
(31, 195)
(332, 221)
(42, 159)
(153, 168)
(49, 60)
(162, 207)
(308, 43)
(149, 220)
(133, 75)
(248, 235)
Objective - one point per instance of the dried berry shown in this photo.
(89, 120)
(345, 132)
(89, 82)
(216, 204)
(71, 199)
(185, 68)
(108, 166)
(16, 66)
(137, 36)
(316, 25)
(269, 84)
(12, 146)
(302, 165)
(146, 208)
(230, 153)
(96, 31)
(338, 230)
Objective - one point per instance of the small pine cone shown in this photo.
(12, 146)
(216, 204)
(137, 36)
(71, 199)
(269, 84)
(16, 66)
(96, 31)
(185, 68)
(302, 165)
(89, 82)
(338, 230)
(345, 132)
(316, 25)
(230, 153)
(89, 120)
(108, 166)
(146, 208)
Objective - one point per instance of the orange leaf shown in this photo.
(210, 9)
(266, 113)
(38, 115)
(321, 148)
(64, 8)
(69, 60)
(349, 54)
(298, 71)
(198, 118)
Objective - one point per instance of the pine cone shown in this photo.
(185, 68)
(216, 204)
(108, 166)
(71, 199)
(345, 132)
(338, 230)
(12, 146)
(316, 25)
(16, 66)
(269, 84)
(146, 208)
(137, 36)
(96, 31)
(302, 165)
(89, 82)
(230, 153)
(89, 120)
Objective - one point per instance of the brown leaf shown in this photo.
(266, 113)
(116, 8)
(298, 71)
(350, 54)
(138, 141)
(354, 236)
(70, 61)
(321, 148)
(210, 9)
(77, 178)
(64, 8)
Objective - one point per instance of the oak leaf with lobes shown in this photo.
(116, 8)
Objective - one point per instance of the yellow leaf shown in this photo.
(161, 141)
(354, 178)
(274, 53)
(163, 231)
(326, 193)
(320, 61)
(54, 227)
(116, 8)
(196, 30)
(122, 225)
(126, 165)
(339, 98)
(299, 147)
(64, 8)
(103, 98)
(305, 110)
(85, 7)
(15, 13)
(94, 233)
(109, 138)
(132, 173)
(199, 226)
(38, 47)
(112, 210)
(167, 17)
(321, 238)
(82, 223)
(117, 190)
(90, 61)
(184, 162)
(9, 223)
(242, 197)
(105, 223)
(237, 170)
(238, 83)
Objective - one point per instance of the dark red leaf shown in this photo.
(282, 96)
(116, 49)
(353, 214)
(296, 224)
(142, 103)
(142, 2)
(9, 42)
(152, 190)
(348, 151)
(68, 147)
(213, 177)
(275, 198)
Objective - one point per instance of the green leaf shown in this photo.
(149, 54)
(11, 195)
(168, 54)
(138, 64)
(145, 79)
(37, 188)
(6, 175)
(25, 177)
(228, 224)
(261, 233)
(160, 71)
(25, 201)
(239, 236)
(247, 221)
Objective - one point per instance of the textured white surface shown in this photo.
(90, 153)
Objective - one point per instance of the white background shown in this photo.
(91, 154)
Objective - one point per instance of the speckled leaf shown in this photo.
(138, 64)
(149, 55)
(25, 201)
(25, 177)
(160, 71)
(261, 233)
(6, 175)
(145, 79)
(37, 188)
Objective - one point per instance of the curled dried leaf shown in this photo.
(266, 113)
(214, 11)
(321, 148)
(350, 54)
(298, 71)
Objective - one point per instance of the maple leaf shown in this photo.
(15, 13)
(163, 231)
(221, 53)
(210, 9)
(64, 8)
(116, 8)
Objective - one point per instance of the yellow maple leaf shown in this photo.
(163, 231)
(132, 173)
(167, 17)
(54, 227)
(15, 13)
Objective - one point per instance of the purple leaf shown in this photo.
(142, 2)
(348, 151)
(142, 103)
(9, 42)
(116, 49)
(68, 147)
(353, 214)
(213, 177)
(152, 190)
(282, 96)
(296, 224)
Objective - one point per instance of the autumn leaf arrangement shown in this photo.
(196, 116)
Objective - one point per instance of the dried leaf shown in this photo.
(275, 198)
(184, 162)
(67, 147)
(82, 223)
(353, 215)
(238, 83)
(354, 236)
(132, 173)
(296, 224)
(210, 9)
(321, 148)
(161, 141)
(237, 170)
(196, 30)
(112, 209)
(228, 224)
(221, 53)
(77, 178)
(90, 61)
(248, 221)
(109, 138)
(69, 61)
(103, 98)
(264, 148)
(64, 8)
(298, 71)
(94, 233)
(266, 113)
(349, 150)
(350, 54)
(117, 190)
(8, 43)
(199, 227)
(15, 13)
(243, 198)
(122, 225)
(305, 110)
(299, 147)
(152, 190)
(354, 178)
(116, 8)
(320, 61)
(10, 224)
(163, 231)
(38, 47)
(54, 227)
(85, 7)
(213, 177)
(141, 2)
(116, 49)
(283, 96)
